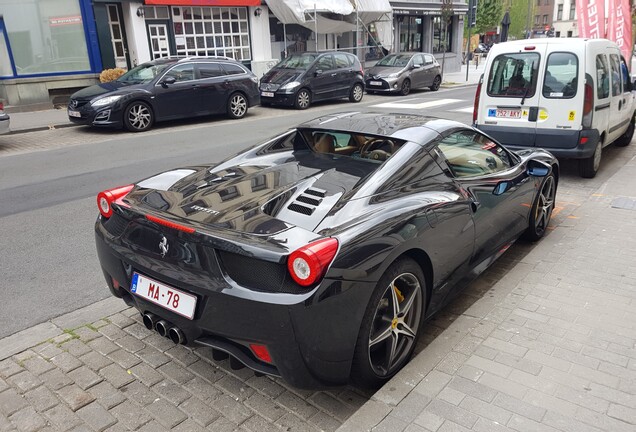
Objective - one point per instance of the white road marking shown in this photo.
(420, 105)
(468, 109)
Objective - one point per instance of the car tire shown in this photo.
(356, 93)
(542, 208)
(388, 326)
(406, 87)
(436, 83)
(138, 117)
(302, 99)
(237, 106)
(589, 167)
(626, 138)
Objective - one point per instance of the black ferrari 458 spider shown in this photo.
(318, 255)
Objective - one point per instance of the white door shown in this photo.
(159, 40)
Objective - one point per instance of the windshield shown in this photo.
(142, 74)
(298, 61)
(394, 60)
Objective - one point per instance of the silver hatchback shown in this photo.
(402, 72)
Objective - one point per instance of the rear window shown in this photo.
(514, 75)
(560, 80)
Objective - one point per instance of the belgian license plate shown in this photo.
(267, 94)
(375, 83)
(508, 113)
(164, 295)
(72, 113)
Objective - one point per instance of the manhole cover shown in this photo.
(624, 203)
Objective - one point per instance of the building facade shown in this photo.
(543, 18)
(564, 17)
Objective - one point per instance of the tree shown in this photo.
(519, 17)
(489, 14)
(447, 16)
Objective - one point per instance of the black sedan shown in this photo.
(167, 89)
(318, 255)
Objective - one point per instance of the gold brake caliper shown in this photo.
(398, 293)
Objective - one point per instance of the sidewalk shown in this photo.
(22, 122)
(549, 346)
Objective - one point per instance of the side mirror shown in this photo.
(168, 81)
(416, 66)
(537, 168)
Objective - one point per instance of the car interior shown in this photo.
(472, 154)
(374, 148)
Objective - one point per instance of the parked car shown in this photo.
(570, 96)
(4, 120)
(317, 255)
(403, 72)
(167, 89)
(482, 48)
(307, 77)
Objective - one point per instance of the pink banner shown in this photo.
(619, 26)
(590, 15)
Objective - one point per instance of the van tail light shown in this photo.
(106, 199)
(588, 102)
(476, 104)
(309, 264)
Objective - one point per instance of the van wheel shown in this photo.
(626, 138)
(589, 167)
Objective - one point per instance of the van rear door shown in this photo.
(509, 110)
(561, 98)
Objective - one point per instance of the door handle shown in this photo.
(620, 104)
(334, 74)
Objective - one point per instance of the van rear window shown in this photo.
(561, 73)
(514, 75)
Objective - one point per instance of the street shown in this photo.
(48, 184)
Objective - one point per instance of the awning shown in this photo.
(331, 16)
(204, 2)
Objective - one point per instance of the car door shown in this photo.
(322, 76)
(180, 98)
(345, 73)
(418, 72)
(431, 69)
(498, 185)
(211, 87)
(618, 109)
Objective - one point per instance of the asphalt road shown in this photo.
(48, 265)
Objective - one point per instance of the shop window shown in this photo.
(442, 37)
(212, 31)
(46, 36)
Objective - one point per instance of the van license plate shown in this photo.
(508, 113)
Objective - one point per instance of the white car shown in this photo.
(4, 120)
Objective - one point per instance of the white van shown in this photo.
(570, 96)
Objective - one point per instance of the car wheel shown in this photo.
(391, 324)
(436, 83)
(541, 210)
(237, 106)
(138, 117)
(406, 87)
(303, 99)
(589, 167)
(626, 138)
(356, 93)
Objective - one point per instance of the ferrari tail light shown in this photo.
(261, 352)
(476, 104)
(308, 264)
(106, 199)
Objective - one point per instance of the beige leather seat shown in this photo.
(324, 143)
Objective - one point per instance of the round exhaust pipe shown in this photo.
(150, 320)
(176, 335)
(162, 327)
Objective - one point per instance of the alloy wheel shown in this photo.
(357, 93)
(302, 99)
(545, 205)
(406, 87)
(395, 324)
(139, 116)
(238, 106)
(436, 82)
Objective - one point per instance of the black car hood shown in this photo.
(92, 92)
(282, 76)
(260, 199)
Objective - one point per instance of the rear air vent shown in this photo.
(307, 201)
(299, 208)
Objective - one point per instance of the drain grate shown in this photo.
(624, 203)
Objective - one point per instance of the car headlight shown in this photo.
(106, 100)
(393, 75)
(290, 85)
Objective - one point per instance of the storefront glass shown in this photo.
(410, 33)
(212, 31)
(46, 36)
(439, 45)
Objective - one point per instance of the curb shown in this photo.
(32, 336)
(43, 128)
